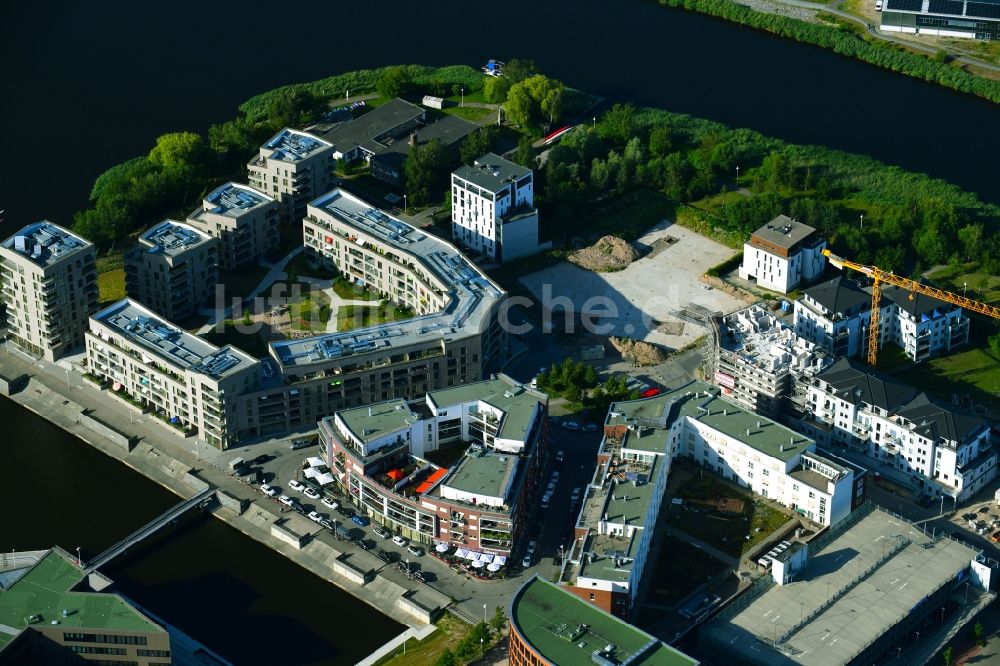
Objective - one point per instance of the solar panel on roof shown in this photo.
(952, 7)
(983, 9)
(905, 5)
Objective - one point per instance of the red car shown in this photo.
(650, 392)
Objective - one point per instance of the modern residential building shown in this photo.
(294, 167)
(379, 455)
(49, 282)
(871, 590)
(837, 314)
(782, 253)
(245, 221)
(759, 360)
(173, 270)
(551, 627)
(938, 448)
(492, 209)
(972, 19)
(643, 437)
(49, 615)
(179, 377)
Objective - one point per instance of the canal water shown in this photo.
(238, 597)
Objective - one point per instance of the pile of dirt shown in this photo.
(608, 254)
(640, 353)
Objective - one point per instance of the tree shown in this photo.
(519, 69)
(971, 238)
(661, 142)
(590, 377)
(178, 152)
(446, 658)
(946, 656)
(247, 318)
(525, 154)
(425, 170)
(977, 632)
(495, 89)
(499, 620)
(477, 144)
(535, 99)
(617, 125)
(994, 343)
(393, 82)
(290, 107)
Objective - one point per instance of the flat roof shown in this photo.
(45, 243)
(45, 590)
(234, 200)
(365, 129)
(566, 630)
(290, 145)
(472, 294)
(482, 472)
(867, 606)
(610, 557)
(173, 238)
(176, 346)
(492, 172)
(518, 402)
(374, 421)
(783, 232)
(702, 402)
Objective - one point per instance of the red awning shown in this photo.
(430, 480)
(395, 474)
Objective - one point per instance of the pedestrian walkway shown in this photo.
(396, 643)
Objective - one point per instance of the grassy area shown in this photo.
(353, 292)
(476, 96)
(679, 569)
(891, 357)
(975, 284)
(472, 113)
(300, 267)
(975, 372)
(628, 216)
(309, 310)
(450, 632)
(350, 317)
(111, 286)
(251, 343)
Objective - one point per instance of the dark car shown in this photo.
(345, 512)
(261, 459)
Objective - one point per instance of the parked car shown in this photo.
(295, 485)
(311, 493)
(531, 547)
(590, 427)
(326, 523)
(560, 456)
(400, 541)
(270, 491)
(300, 443)
(416, 551)
(576, 494)
(546, 498)
(345, 512)
(551, 487)
(329, 503)
(571, 425)
(316, 517)
(261, 459)
(382, 532)
(526, 561)
(360, 520)
(555, 476)
(286, 500)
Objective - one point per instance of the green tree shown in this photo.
(495, 89)
(618, 124)
(971, 237)
(290, 107)
(661, 142)
(446, 658)
(499, 620)
(247, 318)
(425, 170)
(178, 152)
(525, 154)
(533, 100)
(994, 343)
(946, 656)
(393, 82)
(519, 69)
(977, 632)
(590, 378)
(478, 144)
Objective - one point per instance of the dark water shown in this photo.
(241, 599)
(86, 85)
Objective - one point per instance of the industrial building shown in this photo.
(378, 454)
(50, 615)
(870, 590)
(551, 627)
(936, 448)
(49, 281)
(783, 253)
(492, 209)
(643, 437)
(971, 19)
(294, 167)
(173, 270)
(759, 361)
(245, 221)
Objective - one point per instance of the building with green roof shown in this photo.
(549, 625)
(48, 614)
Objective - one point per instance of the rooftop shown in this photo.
(492, 173)
(762, 340)
(517, 402)
(566, 630)
(175, 346)
(482, 472)
(609, 557)
(783, 232)
(45, 243)
(291, 145)
(369, 130)
(839, 295)
(173, 238)
(915, 304)
(906, 567)
(45, 590)
(379, 419)
(472, 294)
(858, 384)
(234, 200)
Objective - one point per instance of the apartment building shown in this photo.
(641, 440)
(935, 447)
(379, 455)
(49, 282)
(294, 167)
(173, 270)
(492, 209)
(837, 315)
(782, 253)
(174, 375)
(245, 221)
(759, 359)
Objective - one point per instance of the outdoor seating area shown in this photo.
(484, 566)
(317, 471)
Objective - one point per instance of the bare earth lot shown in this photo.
(640, 301)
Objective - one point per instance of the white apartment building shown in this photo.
(837, 315)
(245, 221)
(49, 284)
(492, 209)
(935, 447)
(178, 377)
(782, 253)
(173, 270)
(294, 167)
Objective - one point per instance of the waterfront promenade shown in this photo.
(59, 394)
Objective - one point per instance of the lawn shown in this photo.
(309, 310)
(966, 279)
(450, 632)
(975, 372)
(475, 96)
(111, 286)
(471, 113)
(353, 292)
(300, 266)
(679, 569)
(891, 357)
(350, 317)
(628, 216)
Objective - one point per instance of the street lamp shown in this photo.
(484, 613)
(595, 122)
(965, 285)
(463, 95)
(862, 220)
(67, 377)
(827, 591)
(79, 560)
(737, 175)
(404, 204)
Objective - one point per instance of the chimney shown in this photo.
(725, 411)
(758, 425)
(748, 432)
(781, 448)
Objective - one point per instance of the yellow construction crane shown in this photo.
(879, 276)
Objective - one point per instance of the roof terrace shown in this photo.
(234, 199)
(45, 243)
(492, 173)
(291, 145)
(173, 238)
